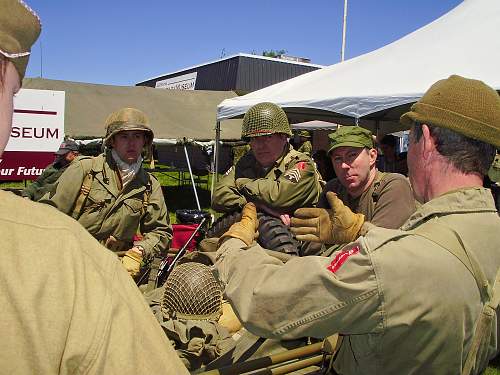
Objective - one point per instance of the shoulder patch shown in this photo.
(341, 258)
(229, 171)
(301, 165)
(295, 174)
(292, 175)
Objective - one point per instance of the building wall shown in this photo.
(240, 73)
(255, 74)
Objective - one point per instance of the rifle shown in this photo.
(166, 267)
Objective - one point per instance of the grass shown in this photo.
(494, 367)
(177, 190)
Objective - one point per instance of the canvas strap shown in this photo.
(447, 238)
(84, 190)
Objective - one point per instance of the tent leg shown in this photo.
(192, 177)
(216, 158)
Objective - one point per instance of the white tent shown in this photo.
(375, 88)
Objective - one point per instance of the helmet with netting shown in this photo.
(127, 119)
(265, 119)
(192, 292)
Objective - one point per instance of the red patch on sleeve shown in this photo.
(340, 258)
(301, 165)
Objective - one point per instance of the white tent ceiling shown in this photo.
(376, 88)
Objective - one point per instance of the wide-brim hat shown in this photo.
(19, 29)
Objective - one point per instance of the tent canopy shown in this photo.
(174, 114)
(377, 87)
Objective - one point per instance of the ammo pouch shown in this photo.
(483, 341)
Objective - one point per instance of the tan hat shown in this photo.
(19, 29)
(127, 119)
(466, 106)
(350, 136)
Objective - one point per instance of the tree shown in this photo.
(273, 53)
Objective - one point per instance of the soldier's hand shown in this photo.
(246, 228)
(336, 225)
(132, 261)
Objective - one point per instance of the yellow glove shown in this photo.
(229, 319)
(246, 228)
(132, 261)
(330, 226)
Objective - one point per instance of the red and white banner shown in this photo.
(37, 132)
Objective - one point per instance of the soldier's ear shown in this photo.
(372, 153)
(428, 142)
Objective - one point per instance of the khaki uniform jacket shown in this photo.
(405, 304)
(292, 182)
(44, 182)
(306, 148)
(387, 203)
(112, 211)
(68, 305)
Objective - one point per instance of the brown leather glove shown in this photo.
(132, 261)
(330, 226)
(246, 228)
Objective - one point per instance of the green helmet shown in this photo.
(265, 119)
(192, 292)
(304, 133)
(127, 119)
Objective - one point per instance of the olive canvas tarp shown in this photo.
(174, 114)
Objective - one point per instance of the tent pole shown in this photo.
(192, 177)
(216, 158)
(342, 52)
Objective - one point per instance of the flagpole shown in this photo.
(343, 31)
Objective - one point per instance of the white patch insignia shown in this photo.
(293, 175)
(229, 171)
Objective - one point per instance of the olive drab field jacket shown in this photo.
(292, 182)
(107, 210)
(387, 203)
(68, 305)
(406, 301)
(44, 182)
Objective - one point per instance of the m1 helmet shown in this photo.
(127, 119)
(265, 119)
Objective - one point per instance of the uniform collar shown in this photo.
(466, 200)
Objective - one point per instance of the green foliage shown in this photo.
(273, 53)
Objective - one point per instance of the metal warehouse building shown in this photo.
(242, 73)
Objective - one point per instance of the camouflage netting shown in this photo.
(192, 292)
(197, 342)
(264, 119)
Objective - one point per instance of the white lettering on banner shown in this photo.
(183, 82)
(21, 171)
(29, 171)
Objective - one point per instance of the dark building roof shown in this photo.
(242, 73)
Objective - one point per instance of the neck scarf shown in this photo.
(127, 171)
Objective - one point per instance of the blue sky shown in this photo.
(124, 42)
